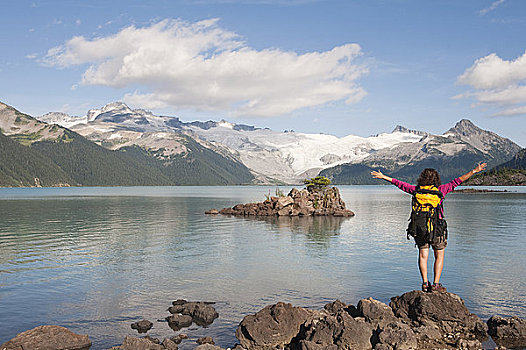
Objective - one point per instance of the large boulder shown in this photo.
(273, 326)
(508, 332)
(444, 312)
(48, 338)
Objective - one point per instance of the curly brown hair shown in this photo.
(429, 177)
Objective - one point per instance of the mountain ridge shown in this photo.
(290, 157)
(72, 159)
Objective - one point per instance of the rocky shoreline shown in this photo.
(305, 202)
(414, 320)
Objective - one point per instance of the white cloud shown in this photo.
(520, 110)
(492, 7)
(497, 82)
(205, 67)
(493, 72)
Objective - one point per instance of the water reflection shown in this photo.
(318, 229)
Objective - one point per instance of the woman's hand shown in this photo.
(479, 168)
(379, 175)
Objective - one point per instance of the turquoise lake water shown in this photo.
(96, 260)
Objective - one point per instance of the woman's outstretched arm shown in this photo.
(379, 175)
(477, 169)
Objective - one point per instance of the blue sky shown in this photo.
(337, 67)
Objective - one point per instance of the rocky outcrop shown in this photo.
(312, 202)
(49, 338)
(508, 332)
(415, 320)
(444, 310)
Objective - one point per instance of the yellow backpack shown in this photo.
(425, 221)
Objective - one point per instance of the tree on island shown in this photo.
(317, 183)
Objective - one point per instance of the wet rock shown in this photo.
(179, 338)
(212, 212)
(202, 313)
(132, 343)
(142, 326)
(176, 322)
(169, 344)
(48, 337)
(273, 326)
(205, 340)
(508, 332)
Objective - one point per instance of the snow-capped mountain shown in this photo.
(284, 156)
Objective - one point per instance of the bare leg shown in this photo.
(439, 264)
(423, 254)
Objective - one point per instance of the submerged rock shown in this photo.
(313, 202)
(49, 338)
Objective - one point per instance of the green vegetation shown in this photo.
(277, 193)
(77, 161)
(91, 165)
(501, 177)
(21, 118)
(511, 173)
(27, 139)
(22, 166)
(317, 183)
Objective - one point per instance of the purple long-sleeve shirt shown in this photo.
(445, 189)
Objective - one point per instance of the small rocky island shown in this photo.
(316, 200)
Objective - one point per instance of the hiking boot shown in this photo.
(426, 287)
(438, 287)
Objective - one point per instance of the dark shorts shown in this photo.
(437, 244)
